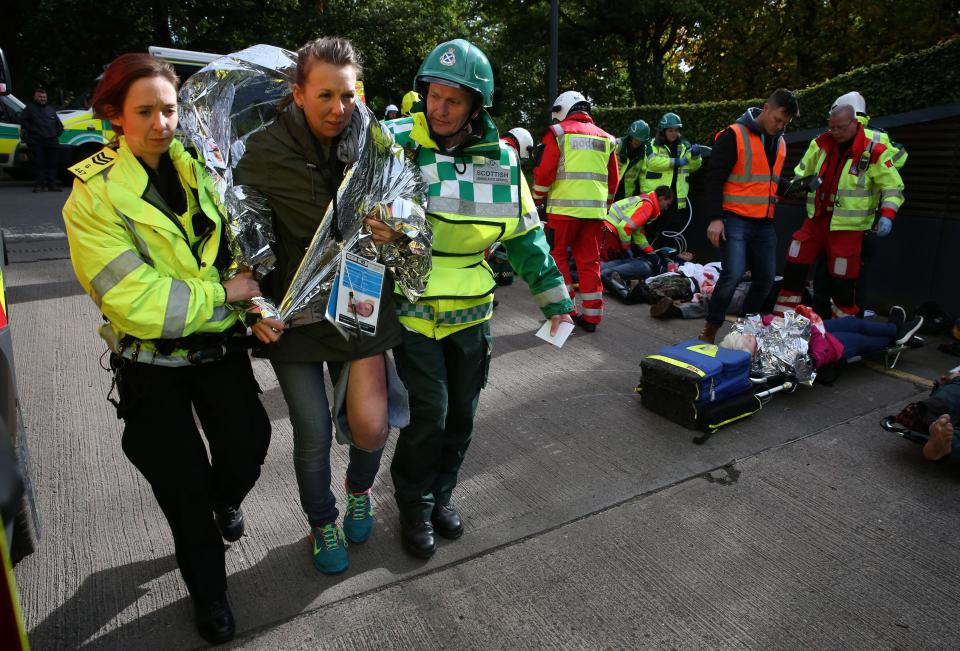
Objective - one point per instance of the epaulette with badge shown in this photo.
(90, 167)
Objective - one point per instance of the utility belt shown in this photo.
(200, 348)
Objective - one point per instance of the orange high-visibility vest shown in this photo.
(751, 188)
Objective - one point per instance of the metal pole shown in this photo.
(554, 46)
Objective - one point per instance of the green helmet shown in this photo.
(639, 130)
(462, 63)
(669, 121)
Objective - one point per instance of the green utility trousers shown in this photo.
(443, 378)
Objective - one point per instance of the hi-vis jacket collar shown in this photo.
(488, 146)
(128, 182)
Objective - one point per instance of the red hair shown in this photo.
(112, 90)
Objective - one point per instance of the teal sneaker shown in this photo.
(329, 549)
(358, 520)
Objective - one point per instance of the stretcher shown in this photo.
(828, 373)
(890, 424)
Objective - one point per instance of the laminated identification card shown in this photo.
(355, 300)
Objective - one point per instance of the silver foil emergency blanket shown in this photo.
(782, 346)
(236, 96)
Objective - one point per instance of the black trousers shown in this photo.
(162, 440)
(46, 158)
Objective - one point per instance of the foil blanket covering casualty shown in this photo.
(782, 346)
(236, 96)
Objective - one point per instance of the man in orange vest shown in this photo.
(742, 187)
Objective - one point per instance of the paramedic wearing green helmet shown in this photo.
(477, 196)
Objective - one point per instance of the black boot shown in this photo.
(215, 620)
(418, 538)
(230, 522)
(447, 522)
(586, 325)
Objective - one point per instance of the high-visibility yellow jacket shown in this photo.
(151, 272)
(477, 197)
(898, 153)
(867, 179)
(660, 168)
(578, 172)
(629, 216)
(633, 165)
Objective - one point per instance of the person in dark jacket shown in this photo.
(40, 128)
(295, 161)
(741, 189)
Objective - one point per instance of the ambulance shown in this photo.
(83, 135)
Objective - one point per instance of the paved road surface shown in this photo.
(590, 522)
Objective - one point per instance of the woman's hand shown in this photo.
(268, 330)
(241, 287)
(381, 232)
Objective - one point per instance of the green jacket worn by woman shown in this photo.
(283, 161)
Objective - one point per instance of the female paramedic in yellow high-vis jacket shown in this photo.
(146, 241)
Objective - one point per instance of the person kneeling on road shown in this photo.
(628, 219)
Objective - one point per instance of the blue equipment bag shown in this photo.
(698, 372)
(698, 385)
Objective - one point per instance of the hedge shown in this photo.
(929, 77)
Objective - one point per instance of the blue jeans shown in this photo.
(305, 392)
(628, 268)
(859, 336)
(752, 241)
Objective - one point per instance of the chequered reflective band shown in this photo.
(468, 315)
(416, 310)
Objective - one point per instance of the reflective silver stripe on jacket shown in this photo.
(552, 295)
(138, 241)
(576, 203)
(581, 176)
(591, 296)
(854, 193)
(617, 212)
(844, 212)
(175, 318)
(466, 208)
(116, 270)
(748, 176)
(220, 313)
(528, 221)
(736, 198)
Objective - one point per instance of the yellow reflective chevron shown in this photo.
(90, 167)
(709, 350)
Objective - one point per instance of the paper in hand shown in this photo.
(562, 333)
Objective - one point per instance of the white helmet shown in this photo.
(391, 107)
(853, 99)
(566, 101)
(524, 140)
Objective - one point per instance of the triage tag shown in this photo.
(359, 286)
